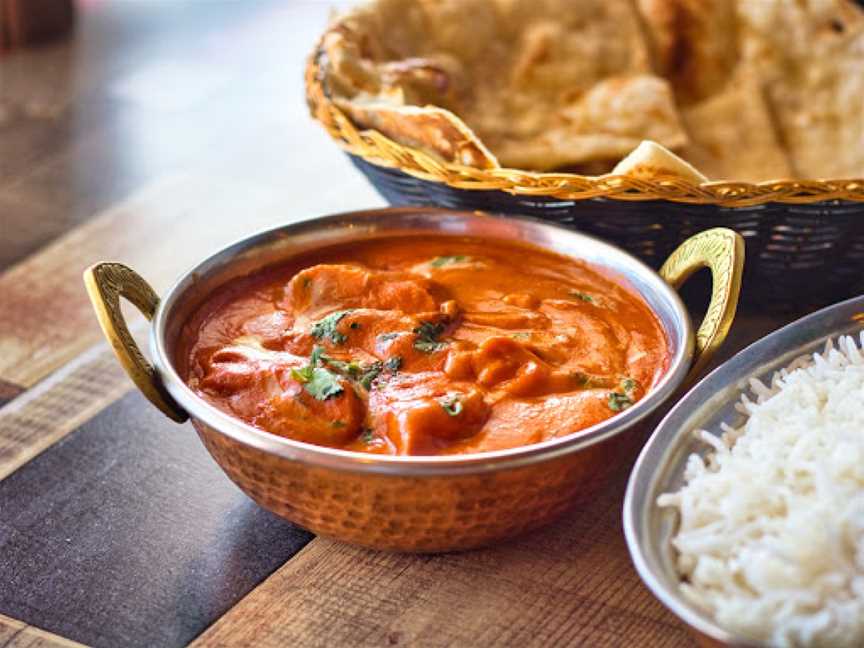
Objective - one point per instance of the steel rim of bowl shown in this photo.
(382, 222)
(645, 474)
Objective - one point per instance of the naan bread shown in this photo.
(608, 121)
(746, 90)
(811, 54)
(429, 128)
(649, 160)
(695, 44)
(537, 84)
(733, 136)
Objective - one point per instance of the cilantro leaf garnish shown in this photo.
(429, 347)
(367, 435)
(302, 375)
(450, 404)
(583, 296)
(374, 370)
(581, 378)
(323, 385)
(318, 382)
(386, 337)
(618, 402)
(363, 374)
(325, 329)
(351, 369)
(440, 261)
(370, 373)
(427, 337)
(629, 385)
(429, 330)
(317, 356)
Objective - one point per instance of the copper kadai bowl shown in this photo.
(415, 503)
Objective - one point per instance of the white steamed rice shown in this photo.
(771, 534)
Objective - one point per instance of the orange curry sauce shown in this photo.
(419, 346)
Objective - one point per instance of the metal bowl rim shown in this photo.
(647, 466)
(333, 458)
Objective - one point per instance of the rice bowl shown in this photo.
(770, 540)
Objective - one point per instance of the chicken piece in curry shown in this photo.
(425, 346)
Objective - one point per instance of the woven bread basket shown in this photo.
(804, 238)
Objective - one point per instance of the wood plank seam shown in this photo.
(9, 391)
(570, 584)
(17, 634)
(43, 415)
(46, 319)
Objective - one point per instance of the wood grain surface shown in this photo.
(16, 634)
(161, 158)
(9, 391)
(568, 585)
(45, 414)
(148, 89)
(46, 319)
(127, 534)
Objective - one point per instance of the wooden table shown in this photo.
(158, 133)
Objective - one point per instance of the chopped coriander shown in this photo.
(629, 386)
(450, 404)
(302, 375)
(337, 425)
(386, 337)
(325, 329)
(319, 382)
(427, 337)
(317, 356)
(582, 379)
(618, 402)
(351, 368)
(367, 435)
(440, 261)
(364, 375)
(521, 336)
(429, 330)
(583, 296)
(373, 371)
(428, 347)
(323, 384)
(370, 373)
(393, 364)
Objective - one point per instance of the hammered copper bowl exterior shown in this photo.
(422, 513)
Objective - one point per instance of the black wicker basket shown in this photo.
(807, 254)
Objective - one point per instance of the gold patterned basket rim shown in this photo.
(376, 148)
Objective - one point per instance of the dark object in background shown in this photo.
(23, 22)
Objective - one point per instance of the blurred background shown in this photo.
(99, 98)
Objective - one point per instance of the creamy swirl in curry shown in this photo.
(421, 346)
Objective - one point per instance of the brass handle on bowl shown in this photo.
(106, 283)
(722, 251)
